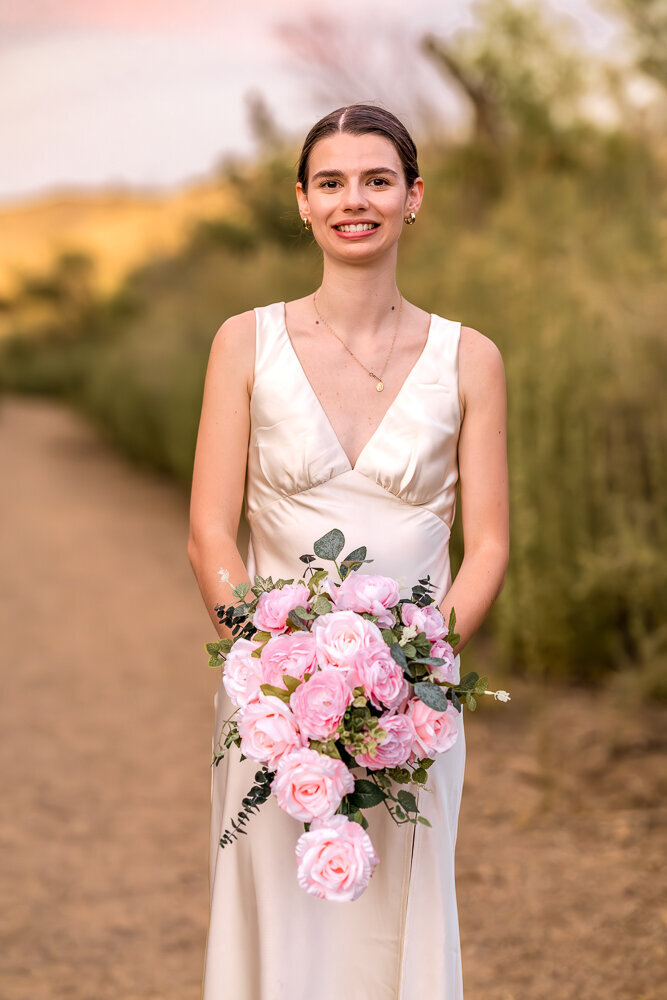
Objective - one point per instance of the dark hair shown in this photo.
(361, 119)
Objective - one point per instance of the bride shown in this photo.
(356, 409)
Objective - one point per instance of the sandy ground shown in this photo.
(106, 716)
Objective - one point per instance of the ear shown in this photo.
(302, 200)
(414, 196)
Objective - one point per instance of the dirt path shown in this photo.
(106, 716)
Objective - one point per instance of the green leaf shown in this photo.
(410, 650)
(455, 700)
(407, 800)
(277, 692)
(481, 685)
(399, 814)
(389, 636)
(468, 681)
(330, 546)
(420, 775)
(423, 821)
(398, 655)
(321, 574)
(353, 559)
(294, 618)
(261, 637)
(291, 683)
(241, 590)
(321, 605)
(215, 661)
(432, 661)
(471, 702)
(366, 794)
(432, 695)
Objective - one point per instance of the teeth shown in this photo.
(359, 228)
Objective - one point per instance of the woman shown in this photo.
(348, 408)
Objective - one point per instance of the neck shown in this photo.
(356, 300)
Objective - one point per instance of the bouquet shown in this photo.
(343, 693)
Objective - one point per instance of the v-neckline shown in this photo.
(318, 402)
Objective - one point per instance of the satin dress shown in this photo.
(267, 938)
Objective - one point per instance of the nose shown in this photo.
(354, 196)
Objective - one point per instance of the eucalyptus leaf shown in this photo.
(322, 605)
(432, 661)
(471, 702)
(315, 579)
(331, 545)
(398, 655)
(468, 681)
(352, 559)
(432, 695)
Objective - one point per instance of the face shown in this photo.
(357, 196)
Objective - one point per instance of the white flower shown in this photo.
(409, 632)
(224, 575)
(499, 695)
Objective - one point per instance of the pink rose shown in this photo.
(428, 620)
(396, 748)
(241, 675)
(274, 606)
(435, 732)
(320, 702)
(336, 859)
(368, 592)
(339, 635)
(382, 678)
(447, 671)
(309, 785)
(268, 730)
(291, 653)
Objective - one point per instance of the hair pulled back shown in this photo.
(362, 119)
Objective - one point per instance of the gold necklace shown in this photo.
(378, 378)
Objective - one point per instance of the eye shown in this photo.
(379, 181)
(325, 184)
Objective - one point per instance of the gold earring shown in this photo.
(306, 223)
(409, 220)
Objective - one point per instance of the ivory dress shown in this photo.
(267, 938)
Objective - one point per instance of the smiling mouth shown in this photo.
(359, 227)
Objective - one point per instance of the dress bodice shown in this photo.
(398, 499)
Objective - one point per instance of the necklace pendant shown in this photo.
(380, 386)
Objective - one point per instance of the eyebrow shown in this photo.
(364, 173)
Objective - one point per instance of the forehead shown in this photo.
(351, 153)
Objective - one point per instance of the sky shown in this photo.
(152, 93)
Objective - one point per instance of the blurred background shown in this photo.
(147, 169)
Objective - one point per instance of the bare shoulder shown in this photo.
(233, 347)
(481, 368)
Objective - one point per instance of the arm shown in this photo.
(484, 484)
(218, 478)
